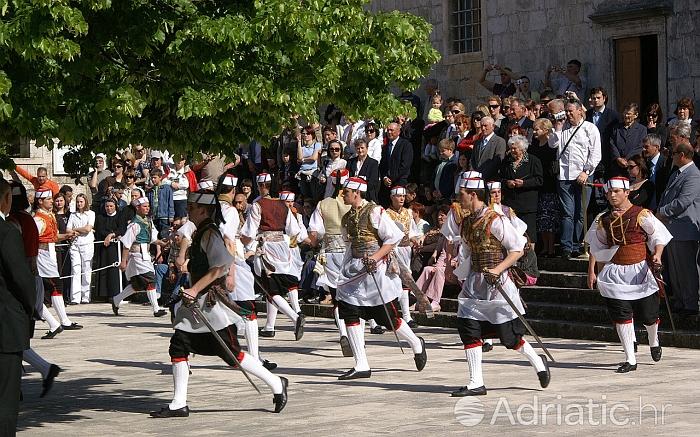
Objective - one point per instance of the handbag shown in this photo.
(555, 163)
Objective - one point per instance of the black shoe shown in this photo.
(72, 327)
(545, 376)
(263, 333)
(486, 347)
(656, 353)
(299, 328)
(166, 412)
(626, 367)
(345, 346)
(269, 365)
(280, 400)
(115, 309)
(422, 358)
(52, 334)
(636, 346)
(46, 385)
(576, 254)
(566, 255)
(354, 374)
(73, 303)
(377, 330)
(412, 324)
(160, 313)
(464, 391)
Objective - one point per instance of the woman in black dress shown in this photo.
(106, 229)
(548, 216)
(641, 188)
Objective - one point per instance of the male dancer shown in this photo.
(627, 243)
(208, 266)
(136, 258)
(366, 289)
(325, 224)
(491, 245)
(404, 220)
(303, 237)
(47, 265)
(272, 225)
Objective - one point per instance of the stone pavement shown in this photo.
(117, 369)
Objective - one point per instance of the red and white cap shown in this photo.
(355, 183)
(494, 185)
(140, 201)
(263, 178)
(472, 183)
(205, 185)
(398, 191)
(287, 195)
(344, 175)
(230, 180)
(618, 182)
(464, 175)
(43, 194)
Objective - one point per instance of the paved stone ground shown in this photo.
(117, 369)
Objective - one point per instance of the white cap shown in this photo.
(472, 183)
(205, 185)
(43, 194)
(398, 191)
(155, 154)
(286, 195)
(344, 175)
(618, 182)
(355, 183)
(495, 185)
(230, 180)
(263, 177)
(202, 198)
(140, 201)
(464, 175)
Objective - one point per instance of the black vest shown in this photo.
(199, 262)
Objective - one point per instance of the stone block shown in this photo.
(497, 25)
(537, 20)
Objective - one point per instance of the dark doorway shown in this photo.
(636, 71)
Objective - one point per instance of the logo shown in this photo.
(469, 411)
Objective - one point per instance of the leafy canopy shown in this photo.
(193, 75)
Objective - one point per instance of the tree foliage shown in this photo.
(191, 75)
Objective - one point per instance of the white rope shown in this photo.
(94, 242)
(114, 264)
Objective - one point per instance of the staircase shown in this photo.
(561, 305)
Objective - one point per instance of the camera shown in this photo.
(518, 82)
(560, 116)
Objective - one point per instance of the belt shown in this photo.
(630, 254)
(487, 260)
(271, 236)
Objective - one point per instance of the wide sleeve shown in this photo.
(292, 228)
(316, 222)
(597, 239)
(252, 223)
(505, 232)
(129, 236)
(217, 254)
(388, 232)
(656, 231)
(303, 234)
(450, 229)
(413, 231)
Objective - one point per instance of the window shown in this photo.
(465, 26)
(17, 148)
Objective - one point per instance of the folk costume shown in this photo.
(208, 251)
(487, 237)
(139, 235)
(624, 241)
(362, 295)
(293, 293)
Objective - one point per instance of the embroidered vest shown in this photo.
(486, 250)
(332, 210)
(403, 219)
(145, 226)
(626, 232)
(459, 212)
(364, 237)
(273, 215)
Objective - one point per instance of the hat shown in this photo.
(202, 197)
(344, 175)
(43, 194)
(494, 185)
(205, 185)
(398, 191)
(286, 195)
(618, 182)
(156, 155)
(230, 180)
(101, 155)
(140, 201)
(262, 178)
(355, 183)
(472, 183)
(464, 175)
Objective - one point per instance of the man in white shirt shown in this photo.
(578, 147)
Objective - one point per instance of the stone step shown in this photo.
(562, 295)
(578, 265)
(561, 279)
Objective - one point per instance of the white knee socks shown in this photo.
(126, 292)
(251, 337)
(534, 359)
(405, 311)
(271, 316)
(49, 318)
(356, 337)
(60, 307)
(372, 324)
(406, 333)
(36, 361)
(253, 366)
(181, 376)
(284, 307)
(626, 333)
(476, 378)
(341, 323)
(153, 299)
(653, 333)
(294, 300)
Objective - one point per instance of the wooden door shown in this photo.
(628, 72)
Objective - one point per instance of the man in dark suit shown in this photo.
(679, 210)
(659, 168)
(517, 115)
(605, 119)
(365, 167)
(17, 299)
(444, 176)
(488, 152)
(395, 166)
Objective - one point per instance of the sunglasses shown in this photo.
(118, 166)
(455, 111)
(371, 131)
(458, 124)
(494, 106)
(334, 149)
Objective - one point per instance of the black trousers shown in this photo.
(10, 378)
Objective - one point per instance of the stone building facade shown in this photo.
(649, 49)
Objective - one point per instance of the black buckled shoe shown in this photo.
(160, 313)
(47, 383)
(377, 330)
(355, 374)
(422, 358)
(626, 367)
(166, 412)
(345, 346)
(465, 391)
(486, 347)
(72, 327)
(544, 376)
(656, 353)
(269, 365)
(299, 328)
(280, 400)
(267, 334)
(115, 309)
(51, 334)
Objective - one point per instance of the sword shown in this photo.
(388, 316)
(422, 300)
(199, 316)
(656, 272)
(496, 282)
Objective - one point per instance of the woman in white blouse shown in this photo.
(81, 223)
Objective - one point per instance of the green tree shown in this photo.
(193, 75)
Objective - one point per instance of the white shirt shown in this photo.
(374, 149)
(183, 183)
(79, 220)
(583, 153)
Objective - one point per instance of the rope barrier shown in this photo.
(114, 240)
(114, 264)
